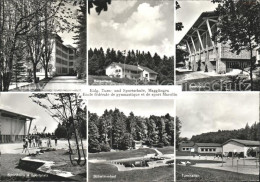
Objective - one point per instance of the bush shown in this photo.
(160, 145)
(105, 147)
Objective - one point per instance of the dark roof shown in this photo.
(199, 21)
(148, 70)
(249, 143)
(127, 66)
(133, 67)
(13, 113)
(187, 144)
(208, 144)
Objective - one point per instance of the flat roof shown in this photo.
(14, 113)
(208, 144)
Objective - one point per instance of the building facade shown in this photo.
(208, 55)
(208, 148)
(63, 58)
(186, 146)
(120, 70)
(13, 126)
(239, 146)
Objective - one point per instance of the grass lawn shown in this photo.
(10, 172)
(184, 173)
(167, 150)
(61, 157)
(159, 174)
(106, 80)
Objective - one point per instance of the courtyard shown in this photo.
(51, 163)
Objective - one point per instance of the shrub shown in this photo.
(105, 147)
(160, 145)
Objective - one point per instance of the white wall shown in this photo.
(111, 71)
(233, 147)
(217, 149)
(12, 126)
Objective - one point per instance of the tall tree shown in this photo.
(81, 41)
(239, 27)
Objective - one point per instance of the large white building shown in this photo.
(138, 72)
(13, 126)
(238, 146)
(62, 59)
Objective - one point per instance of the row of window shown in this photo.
(61, 70)
(208, 149)
(64, 48)
(61, 61)
(186, 149)
(62, 54)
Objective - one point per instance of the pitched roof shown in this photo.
(13, 113)
(249, 143)
(133, 67)
(148, 70)
(127, 66)
(208, 144)
(187, 144)
(198, 22)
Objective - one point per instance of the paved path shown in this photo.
(245, 166)
(16, 148)
(65, 83)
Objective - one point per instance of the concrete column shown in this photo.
(200, 39)
(193, 44)
(210, 33)
(188, 46)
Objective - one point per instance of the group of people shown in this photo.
(35, 141)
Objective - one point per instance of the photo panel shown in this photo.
(43, 137)
(131, 140)
(219, 138)
(43, 46)
(131, 42)
(213, 51)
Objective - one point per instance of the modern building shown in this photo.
(120, 70)
(208, 148)
(206, 54)
(186, 146)
(13, 126)
(62, 58)
(239, 146)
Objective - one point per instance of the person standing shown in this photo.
(30, 142)
(25, 146)
(33, 141)
(56, 141)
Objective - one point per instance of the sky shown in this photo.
(189, 12)
(21, 103)
(143, 108)
(205, 112)
(145, 25)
